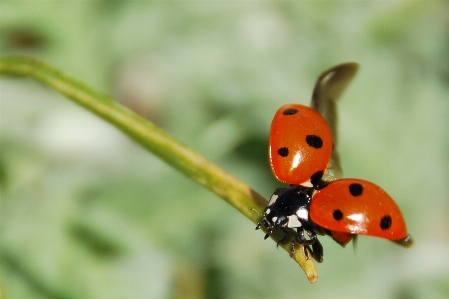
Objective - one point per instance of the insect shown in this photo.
(302, 153)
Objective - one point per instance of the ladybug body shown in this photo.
(318, 202)
(289, 208)
(341, 209)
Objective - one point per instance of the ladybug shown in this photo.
(300, 152)
(341, 209)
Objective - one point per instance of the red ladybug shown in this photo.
(300, 150)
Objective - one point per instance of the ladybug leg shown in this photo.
(317, 251)
(262, 223)
(282, 241)
(307, 252)
(269, 232)
(293, 239)
(292, 248)
(265, 225)
(317, 248)
(302, 239)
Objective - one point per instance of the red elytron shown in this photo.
(300, 144)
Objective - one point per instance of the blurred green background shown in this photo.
(86, 213)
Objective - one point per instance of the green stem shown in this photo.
(190, 163)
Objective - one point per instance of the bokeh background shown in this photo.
(87, 213)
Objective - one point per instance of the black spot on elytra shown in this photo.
(314, 141)
(356, 189)
(338, 215)
(315, 179)
(283, 152)
(290, 111)
(385, 222)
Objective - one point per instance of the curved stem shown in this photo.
(190, 163)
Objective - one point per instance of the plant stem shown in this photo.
(190, 163)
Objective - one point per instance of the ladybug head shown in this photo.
(271, 219)
(274, 218)
(288, 207)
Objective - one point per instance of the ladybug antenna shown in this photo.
(252, 209)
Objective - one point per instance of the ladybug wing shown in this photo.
(328, 89)
(358, 207)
